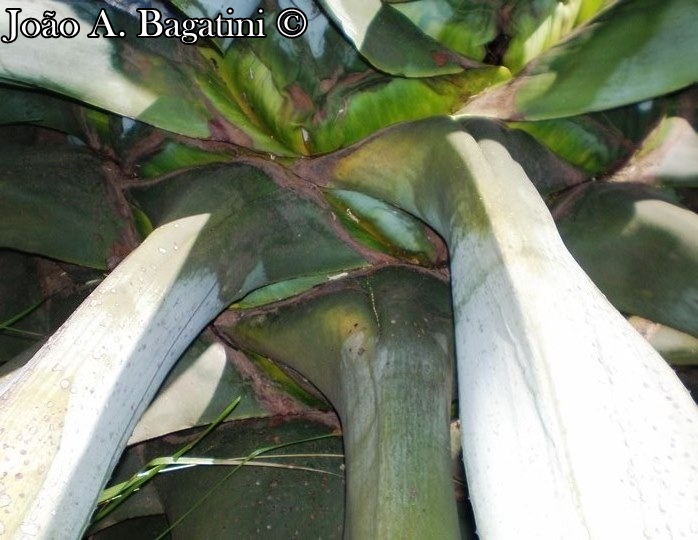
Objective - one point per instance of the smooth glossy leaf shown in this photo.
(315, 94)
(535, 26)
(534, 339)
(254, 502)
(669, 156)
(640, 249)
(139, 321)
(383, 226)
(200, 385)
(123, 75)
(175, 155)
(159, 81)
(56, 203)
(621, 56)
(390, 42)
(597, 142)
(677, 348)
(466, 27)
(367, 343)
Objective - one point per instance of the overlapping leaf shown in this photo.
(639, 247)
(605, 64)
(56, 203)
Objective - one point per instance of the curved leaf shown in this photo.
(159, 81)
(668, 156)
(367, 344)
(534, 339)
(677, 348)
(465, 27)
(138, 322)
(390, 42)
(535, 26)
(640, 249)
(55, 203)
(622, 56)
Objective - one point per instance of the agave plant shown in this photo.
(308, 199)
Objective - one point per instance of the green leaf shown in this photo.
(382, 226)
(367, 343)
(174, 155)
(20, 291)
(314, 94)
(466, 26)
(390, 42)
(534, 339)
(213, 244)
(639, 248)
(254, 502)
(537, 25)
(622, 56)
(56, 203)
(597, 142)
(209, 9)
(668, 156)
(124, 75)
(195, 391)
(677, 348)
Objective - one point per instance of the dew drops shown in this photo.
(5, 500)
(65, 384)
(162, 250)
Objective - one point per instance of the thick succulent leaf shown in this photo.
(596, 142)
(383, 227)
(389, 41)
(621, 56)
(677, 348)
(209, 9)
(21, 106)
(228, 191)
(175, 155)
(640, 249)
(367, 343)
(356, 112)
(537, 25)
(478, 29)
(140, 320)
(465, 27)
(121, 75)
(668, 156)
(283, 290)
(255, 502)
(315, 94)
(199, 387)
(534, 339)
(55, 203)
(162, 82)
(398, 156)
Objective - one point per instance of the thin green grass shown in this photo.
(7, 325)
(115, 495)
